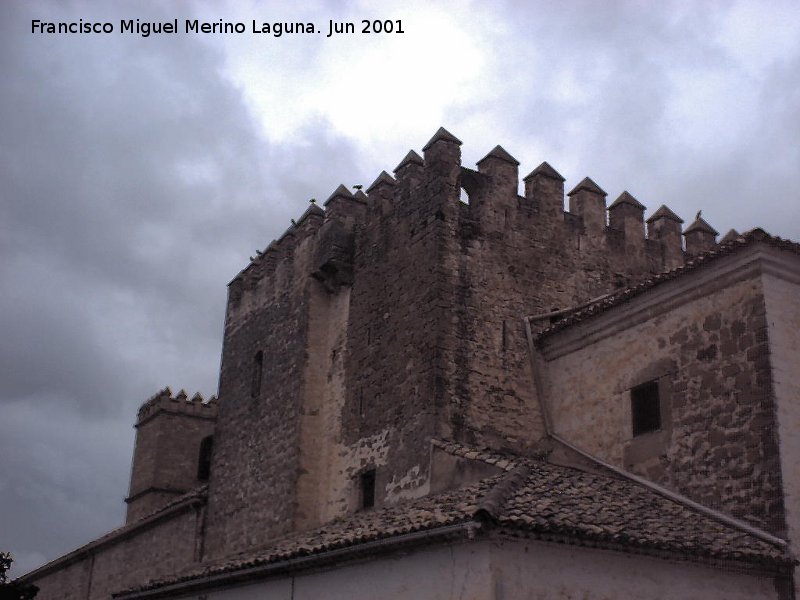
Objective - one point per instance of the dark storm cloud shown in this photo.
(135, 183)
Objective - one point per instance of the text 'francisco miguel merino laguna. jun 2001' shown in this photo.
(276, 29)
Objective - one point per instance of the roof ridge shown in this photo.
(501, 460)
(491, 505)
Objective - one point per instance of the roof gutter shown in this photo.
(675, 497)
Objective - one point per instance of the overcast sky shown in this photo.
(138, 174)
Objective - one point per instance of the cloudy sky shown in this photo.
(138, 174)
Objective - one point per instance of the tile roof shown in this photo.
(501, 460)
(551, 499)
(427, 513)
(722, 249)
(531, 497)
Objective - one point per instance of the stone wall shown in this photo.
(169, 431)
(133, 555)
(704, 340)
(257, 445)
(522, 255)
(781, 291)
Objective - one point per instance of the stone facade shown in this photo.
(169, 434)
(153, 547)
(397, 316)
(706, 344)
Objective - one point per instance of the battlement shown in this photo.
(180, 403)
(428, 188)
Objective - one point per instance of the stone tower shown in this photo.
(173, 450)
(394, 316)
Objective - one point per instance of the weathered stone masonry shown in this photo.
(405, 266)
(707, 347)
(170, 430)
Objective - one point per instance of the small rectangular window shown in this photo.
(645, 408)
(368, 489)
(258, 367)
(204, 460)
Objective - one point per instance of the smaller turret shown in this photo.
(173, 449)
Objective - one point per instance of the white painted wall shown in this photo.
(442, 573)
(545, 571)
(511, 570)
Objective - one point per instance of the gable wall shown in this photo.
(705, 340)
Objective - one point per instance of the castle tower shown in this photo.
(396, 316)
(174, 439)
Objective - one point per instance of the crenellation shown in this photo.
(343, 206)
(311, 219)
(545, 186)
(626, 214)
(587, 200)
(381, 193)
(164, 401)
(410, 171)
(442, 165)
(501, 167)
(665, 227)
(700, 236)
(496, 201)
(382, 186)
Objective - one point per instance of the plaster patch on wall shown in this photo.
(413, 484)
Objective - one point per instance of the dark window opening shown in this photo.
(645, 408)
(258, 365)
(368, 489)
(204, 460)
